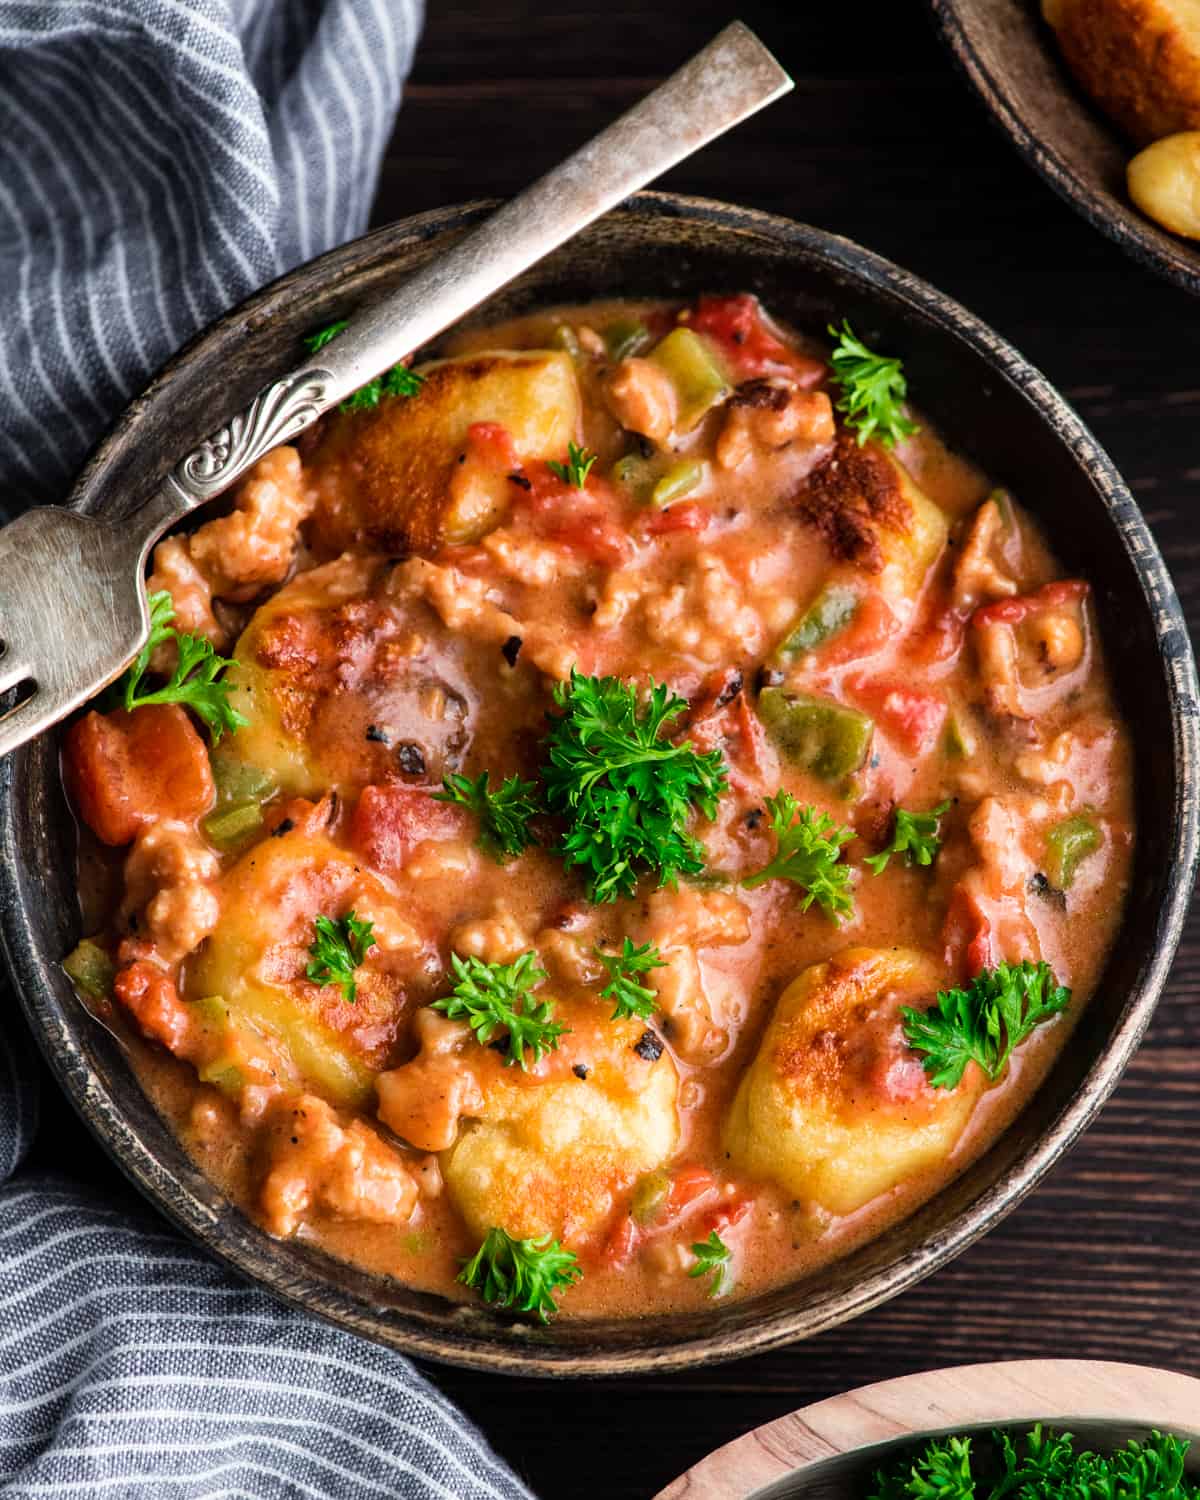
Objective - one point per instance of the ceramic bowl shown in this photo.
(987, 401)
(1010, 57)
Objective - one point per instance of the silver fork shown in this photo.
(73, 610)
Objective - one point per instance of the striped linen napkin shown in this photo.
(159, 159)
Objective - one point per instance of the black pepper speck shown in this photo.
(649, 1045)
(581, 1070)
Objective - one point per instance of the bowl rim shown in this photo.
(1169, 255)
(458, 1344)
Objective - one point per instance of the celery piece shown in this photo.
(224, 1076)
(239, 781)
(959, 741)
(832, 610)
(1004, 504)
(692, 368)
(90, 969)
(564, 337)
(679, 480)
(232, 825)
(820, 736)
(649, 1195)
(625, 337)
(1068, 844)
(635, 475)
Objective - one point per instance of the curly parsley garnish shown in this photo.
(521, 1274)
(714, 1258)
(495, 999)
(1045, 1467)
(809, 852)
(626, 793)
(398, 381)
(873, 389)
(339, 948)
(915, 835)
(577, 467)
(984, 1022)
(630, 998)
(503, 814)
(196, 681)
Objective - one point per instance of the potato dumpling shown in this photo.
(385, 478)
(1139, 59)
(1164, 182)
(553, 1156)
(254, 963)
(834, 1107)
(333, 676)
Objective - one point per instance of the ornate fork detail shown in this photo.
(73, 611)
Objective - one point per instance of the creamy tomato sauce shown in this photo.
(866, 629)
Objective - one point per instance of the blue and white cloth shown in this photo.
(159, 159)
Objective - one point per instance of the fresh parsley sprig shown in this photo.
(714, 1258)
(1044, 1467)
(873, 389)
(495, 1000)
(577, 467)
(338, 950)
(196, 681)
(984, 1022)
(503, 814)
(400, 380)
(626, 793)
(521, 1275)
(809, 852)
(915, 835)
(630, 997)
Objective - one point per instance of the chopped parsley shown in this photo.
(626, 793)
(630, 997)
(339, 948)
(873, 389)
(496, 1002)
(521, 1275)
(915, 835)
(809, 853)
(503, 814)
(577, 467)
(984, 1022)
(714, 1258)
(400, 380)
(196, 682)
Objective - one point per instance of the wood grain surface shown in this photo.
(883, 142)
(880, 141)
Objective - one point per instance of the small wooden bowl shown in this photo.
(832, 1449)
(1009, 55)
(986, 400)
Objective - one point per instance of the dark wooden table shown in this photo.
(881, 141)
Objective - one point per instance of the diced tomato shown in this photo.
(493, 445)
(687, 1184)
(622, 1241)
(738, 732)
(128, 770)
(910, 717)
(967, 935)
(737, 326)
(688, 515)
(872, 627)
(151, 998)
(390, 820)
(594, 534)
(1015, 611)
(729, 1213)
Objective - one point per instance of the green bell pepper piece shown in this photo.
(649, 1195)
(90, 969)
(1068, 844)
(692, 368)
(832, 610)
(232, 825)
(679, 480)
(625, 337)
(239, 781)
(635, 475)
(959, 741)
(818, 735)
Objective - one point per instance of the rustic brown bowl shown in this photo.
(987, 401)
(1009, 54)
(830, 1451)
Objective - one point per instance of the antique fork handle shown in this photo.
(730, 79)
